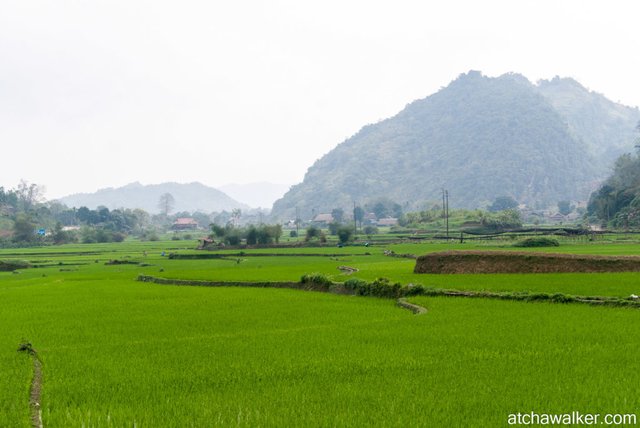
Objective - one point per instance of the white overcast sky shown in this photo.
(102, 93)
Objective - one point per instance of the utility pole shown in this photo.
(445, 209)
(446, 192)
(297, 223)
(355, 221)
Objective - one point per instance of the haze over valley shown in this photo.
(319, 214)
(480, 138)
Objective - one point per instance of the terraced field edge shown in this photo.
(383, 288)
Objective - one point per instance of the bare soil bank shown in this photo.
(521, 262)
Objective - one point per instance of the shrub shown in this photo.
(333, 228)
(118, 237)
(102, 235)
(344, 234)
(561, 298)
(370, 230)
(355, 284)
(11, 265)
(217, 230)
(381, 287)
(251, 235)
(538, 241)
(313, 232)
(501, 220)
(233, 237)
(316, 278)
(414, 290)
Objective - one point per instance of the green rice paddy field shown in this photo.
(118, 352)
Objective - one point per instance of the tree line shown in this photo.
(617, 202)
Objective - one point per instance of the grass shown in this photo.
(283, 268)
(124, 353)
(508, 357)
(117, 352)
(16, 376)
(130, 352)
(377, 265)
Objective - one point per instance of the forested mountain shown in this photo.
(188, 197)
(479, 138)
(605, 127)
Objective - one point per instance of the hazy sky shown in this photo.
(102, 93)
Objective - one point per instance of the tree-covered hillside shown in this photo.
(617, 202)
(479, 138)
(605, 127)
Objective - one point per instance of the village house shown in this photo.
(322, 219)
(388, 221)
(370, 218)
(184, 224)
(557, 218)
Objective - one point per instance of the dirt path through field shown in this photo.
(35, 392)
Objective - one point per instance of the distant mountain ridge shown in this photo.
(479, 138)
(607, 128)
(188, 197)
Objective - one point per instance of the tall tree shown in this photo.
(564, 207)
(358, 215)
(24, 230)
(166, 203)
(503, 203)
(236, 213)
(8, 198)
(337, 214)
(29, 195)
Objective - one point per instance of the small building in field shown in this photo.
(323, 219)
(370, 218)
(205, 242)
(557, 218)
(184, 224)
(388, 221)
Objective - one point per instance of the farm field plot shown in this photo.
(291, 263)
(117, 352)
(371, 263)
(401, 270)
(604, 247)
(120, 352)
